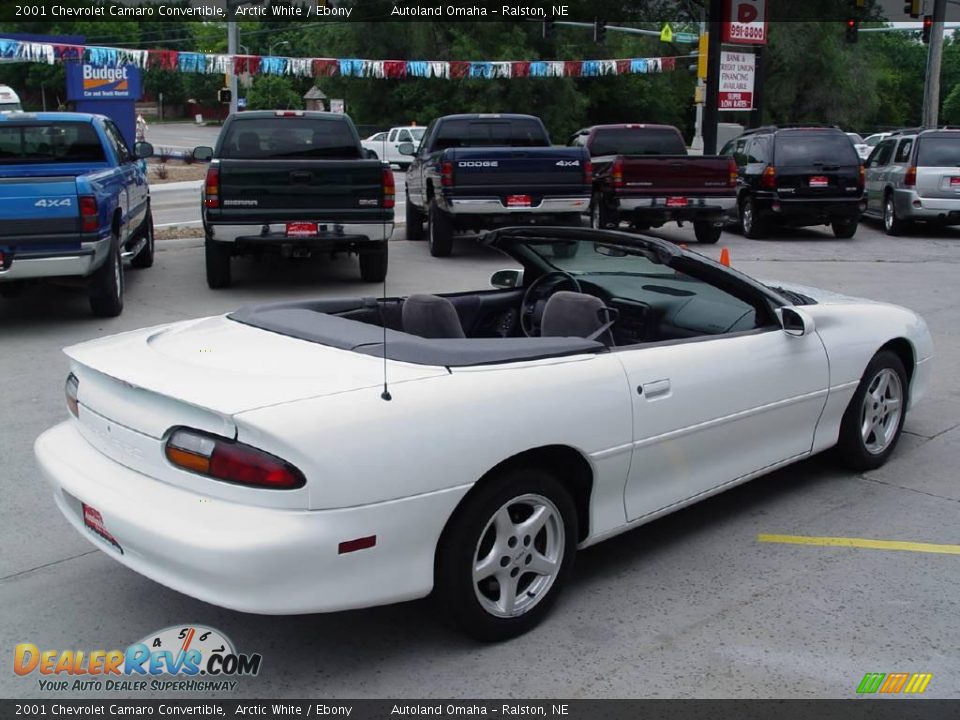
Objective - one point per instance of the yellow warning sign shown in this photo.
(666, 33)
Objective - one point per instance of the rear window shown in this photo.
(637, 141)
(519, 132)
(293, 138)
(939, 151)
(812, 148)
(50, 143)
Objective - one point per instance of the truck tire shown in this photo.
(707, 233)
(441, 232)
(144, 258)
(106, 284)
(373, 265)
(751, 224)
(414, 221)
(844, 229)
(600, 215)
(218, 264)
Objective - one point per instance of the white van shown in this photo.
(9, 100)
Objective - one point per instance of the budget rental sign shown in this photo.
(745, 22)
(86, 81)
(736, 80)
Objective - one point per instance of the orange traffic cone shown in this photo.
(725, 257)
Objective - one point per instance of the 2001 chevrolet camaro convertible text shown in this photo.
(257, 461)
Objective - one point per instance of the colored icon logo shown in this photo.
(893, 683)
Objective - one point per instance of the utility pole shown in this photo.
(233, 42)
(931, 86)
(710, 111)
(756, 117)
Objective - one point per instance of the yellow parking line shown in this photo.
(861, 543)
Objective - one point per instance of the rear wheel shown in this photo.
(106, 284)
(414, 221)
(751, 224)
(844, 229)
(707, 232)
(218, 264)
(891, 223)
(441, 232)
(600, 215)
(373, 265)
(144, 258)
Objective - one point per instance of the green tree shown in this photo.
(273, 92)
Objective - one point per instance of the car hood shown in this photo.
(228, 367)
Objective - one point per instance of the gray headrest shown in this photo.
(572, 314)
(430, 316)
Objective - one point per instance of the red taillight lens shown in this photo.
(588, 173)
(733, 172)
(861, 177)
(71, 389)
(211, 188)
(768, 180)
(230, 461)
(89, 218)
(389, 188)
(910, 179)
(446, 174)
(616, 173)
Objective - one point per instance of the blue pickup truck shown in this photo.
(74, 203)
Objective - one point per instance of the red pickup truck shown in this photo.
(643, 175)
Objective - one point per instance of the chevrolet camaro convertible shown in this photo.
(321, 455)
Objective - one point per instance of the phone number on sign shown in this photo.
(748, 32)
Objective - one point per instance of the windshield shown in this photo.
(637, 141)
(814, 148)
(417, 133)
(50, 143)
(286, 138)
(855, 138)
(939, 152)
(8, 107)
(583, 257)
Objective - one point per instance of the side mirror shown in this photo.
(406, 148)
(202, 153)
(507, 279)
(796, 322)
(143, 150)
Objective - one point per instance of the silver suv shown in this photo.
(914, 175)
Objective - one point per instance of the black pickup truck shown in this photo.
(480, 172)
(294, 183)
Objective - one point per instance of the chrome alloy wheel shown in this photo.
(595, 216)
(747, 216)
(519, 556)
(881, 411)
(889, 214)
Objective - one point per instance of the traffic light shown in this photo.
(927, 27)
(853, 28)
(224, 95)
(913, 8)
(547, 28)
(599, 31)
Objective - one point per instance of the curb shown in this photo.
(182, 185)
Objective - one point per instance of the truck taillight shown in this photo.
(910, 178)
(588, 173)
(211, 188)
(768, 181)
(89, 220)
(230, 461)
(616, 173)
(446, 174)
(389, 188)
(733, 172)
(71, 390)
(861, 177)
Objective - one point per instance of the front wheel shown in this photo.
(218, 264)
(373, 265)
(441, 232)
(874, 418)
(707, 232)
(506, 553)
(106, 284)
(844, 229)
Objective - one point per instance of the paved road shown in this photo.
(689, 606)
(181, 136)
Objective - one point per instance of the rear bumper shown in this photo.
(331, 236)
(252, 559)
(32, 264)
(911, 206)
(817, 210)
(495, 206)
(694, 206)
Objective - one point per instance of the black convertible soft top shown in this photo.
(322, 322)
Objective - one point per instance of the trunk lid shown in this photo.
(31, 207)
(938, 165)
(816, 163)
(675, 174)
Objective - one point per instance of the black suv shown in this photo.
(797, 176)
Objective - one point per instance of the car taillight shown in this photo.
(861, 177)
(910, 179)
(389, 188)
(71, 389)
(733, 172)
(211, 187)
(230, 461)
(616, 173)
(768, 180)
(288, 113)
(446, 174)
(588, 173)
(89, 220)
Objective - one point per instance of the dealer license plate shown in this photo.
(819, 181)
(676, 202)
(519, 201)
(94, 520)
(301, 229)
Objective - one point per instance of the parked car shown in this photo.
(914, 175)
(863, 150)
(9, 100)
(479, 172)
(797, 176)
(328, 454)
(74, 202)
(386, 145)
(871, 142)
(294, 183)
(643, 175)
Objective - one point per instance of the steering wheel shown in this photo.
(536, 296)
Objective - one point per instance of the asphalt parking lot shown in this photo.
(689, 606)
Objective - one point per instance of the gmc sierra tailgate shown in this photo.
(675, 174)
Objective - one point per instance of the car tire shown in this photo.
(106, 284)
(414, 221)
(707, 233)
(601, 217)
(750, 223)
(844, 229)
(373, 265)
(893, 225)
(144, 258)
(441, 232)
(874, 418)
(218, 256)
(488, 525)
(571, 220)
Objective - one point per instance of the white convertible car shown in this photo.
(321, 455)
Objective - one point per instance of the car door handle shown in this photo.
(655, 389)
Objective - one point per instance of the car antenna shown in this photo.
(385, 395)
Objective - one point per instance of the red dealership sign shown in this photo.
(745, 22)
